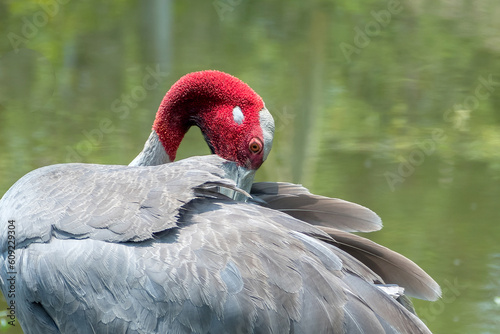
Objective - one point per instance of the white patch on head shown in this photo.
(238, 115)
(267, 126)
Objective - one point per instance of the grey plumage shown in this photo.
(116, 249)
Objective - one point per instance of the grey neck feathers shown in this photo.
(153, 153)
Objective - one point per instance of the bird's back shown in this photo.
(160, 250)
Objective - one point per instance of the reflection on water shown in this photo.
(393, 105)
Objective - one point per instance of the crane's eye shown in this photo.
(255, 146)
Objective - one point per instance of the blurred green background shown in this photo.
(391, 104)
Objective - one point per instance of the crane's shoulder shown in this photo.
(105, 202)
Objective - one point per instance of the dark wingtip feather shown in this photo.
(298, 202)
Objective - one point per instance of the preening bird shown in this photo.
(195, 246)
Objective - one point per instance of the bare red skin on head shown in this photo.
(207, 99)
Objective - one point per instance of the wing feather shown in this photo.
(390, 265)
(298, 202)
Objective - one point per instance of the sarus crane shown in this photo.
(194, 246)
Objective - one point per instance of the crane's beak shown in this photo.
(243, 177)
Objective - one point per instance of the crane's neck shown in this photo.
(174, 118)
(153, 153)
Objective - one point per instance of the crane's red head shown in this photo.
(231, 116)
